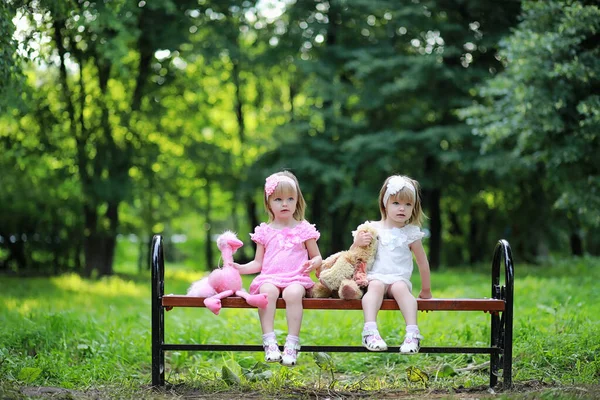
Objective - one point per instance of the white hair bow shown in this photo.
(395, 184)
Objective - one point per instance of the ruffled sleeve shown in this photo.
(307, 231)
(413, 233)
(260, 234)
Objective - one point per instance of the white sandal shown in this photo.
(372, 341)
(272, 353)
(412, 343)
(290, 354)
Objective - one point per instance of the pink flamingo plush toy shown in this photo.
(226, 281)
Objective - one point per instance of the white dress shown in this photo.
(394, 260)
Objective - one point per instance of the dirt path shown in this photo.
(528, 390)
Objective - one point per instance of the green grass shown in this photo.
(95, 335)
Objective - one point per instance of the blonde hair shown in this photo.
(284, 188)
(404, 194)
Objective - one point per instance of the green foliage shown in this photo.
(126, 129)
(128, 119)
(542, 110)
(10, 60)
(229, 377)
(381, 83)
(254, 370)
(79, 334)
(29, 375)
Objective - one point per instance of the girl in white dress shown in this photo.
(399, 239)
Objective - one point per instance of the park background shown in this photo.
(122, 119)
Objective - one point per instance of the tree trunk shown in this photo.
(208, 240)
(292, 94)
(108, 258)
(435, 216)
(90, 216)
(16, 253)
(110, 239)
(99, 252)
(99, 247)
(473, 243)
(241, 121)
(142, 253)
(93, 248)
(337, 230)
(90, 240)
(251, 213)
(576, 244)
(77, 257)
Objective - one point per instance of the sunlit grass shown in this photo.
(105, 287)
(76, 333)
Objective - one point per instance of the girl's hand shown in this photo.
(425, 294)
(311, 265)
(362, 239)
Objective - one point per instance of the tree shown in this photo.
(382, 82)
(543, 111)
(10, 59)
(103, 52)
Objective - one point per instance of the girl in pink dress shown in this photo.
(286, 254)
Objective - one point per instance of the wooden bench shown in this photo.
(499, 306)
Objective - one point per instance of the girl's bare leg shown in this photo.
(406, 302)
(267, 315)
(293, 296)
(371, 301)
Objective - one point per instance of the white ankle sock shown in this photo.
(292, 339)
(269, 336)
(412, 329)
(370, 326)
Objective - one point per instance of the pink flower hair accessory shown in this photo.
(272, 181)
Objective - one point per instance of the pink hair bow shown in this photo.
(272, 181)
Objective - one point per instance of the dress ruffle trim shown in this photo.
(287, 236)
(396, 237)
(259, 234)
(306, 231)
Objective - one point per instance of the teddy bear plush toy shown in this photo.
(345, 273)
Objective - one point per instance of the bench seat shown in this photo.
(485, 305)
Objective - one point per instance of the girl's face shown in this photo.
(283, 204)
(399, 209)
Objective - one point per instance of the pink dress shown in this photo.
(285, 253)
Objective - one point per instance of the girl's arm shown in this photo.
(421, 257)
(255, 265)
(314, 256)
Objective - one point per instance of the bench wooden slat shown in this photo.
(487, 305)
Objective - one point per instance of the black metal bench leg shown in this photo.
(508, 320)
(494, 357)
(158, 312)
(508, 315)
(502, 328)
(507, 359)
(495, 325)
